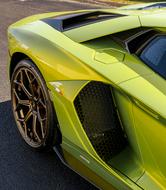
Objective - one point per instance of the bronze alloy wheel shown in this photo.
(31, 104)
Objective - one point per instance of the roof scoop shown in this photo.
(70, 21)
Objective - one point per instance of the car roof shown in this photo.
(144, 6)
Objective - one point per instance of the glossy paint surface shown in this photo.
(68, 61)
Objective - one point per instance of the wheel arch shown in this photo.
(14, 60)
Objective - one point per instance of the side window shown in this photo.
(154, 55)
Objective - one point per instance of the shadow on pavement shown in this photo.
(22, 168)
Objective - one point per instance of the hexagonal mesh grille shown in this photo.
(96, 111)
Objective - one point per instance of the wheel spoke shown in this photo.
(42, 129)
(16, 95)
(25, 129)
(28, 115)
(39, 115)
(18, 83)
(41, 102)
(21, 76)
(20, 119)
(28, 77)
(20, 101)
(41, 122)
(30, 81)
(34, 126)
(29, 95)
(21, 83)
(24, 102)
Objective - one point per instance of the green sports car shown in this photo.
(91, 84)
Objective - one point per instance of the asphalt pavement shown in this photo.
(20, 167)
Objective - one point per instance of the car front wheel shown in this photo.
(32, 107)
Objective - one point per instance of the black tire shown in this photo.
(32, 107)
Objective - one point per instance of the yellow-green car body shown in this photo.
(83, 56)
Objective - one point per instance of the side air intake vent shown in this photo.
(70, 21)
(132, 40)
(96, 111)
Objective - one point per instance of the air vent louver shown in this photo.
(96, 111)
(70, 21)
(133, 39)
